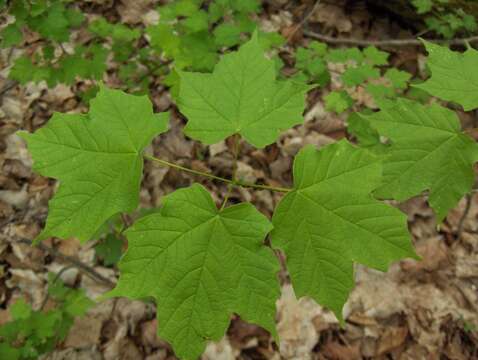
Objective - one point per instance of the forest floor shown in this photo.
(417, 310)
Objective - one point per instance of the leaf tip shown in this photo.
(23, 134)
(255, 35)
(163, 121)
(38, 239)
(275, 335)
(338, 314)
(416, 257)
(108, 295)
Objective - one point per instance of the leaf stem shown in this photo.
(214, 177)
(235, 154)
(85, 268)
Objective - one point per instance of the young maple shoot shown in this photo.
(33, 333)
(190, 33)
(201, 263)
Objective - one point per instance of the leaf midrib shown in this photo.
(89, 150)
(308, 198)
(419, 160)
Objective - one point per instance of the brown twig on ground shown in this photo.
(86, 269)
(461, 223)
(57, 276)
(8, 86)
(304, 20)
(391, 42)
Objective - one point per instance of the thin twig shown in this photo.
(10, 53)
(392, 42)
(461, 223)
(214, 177)
(470, 130)
(304, 20)
(235, 153)
(10, 85)
(55, 279)
(152, 69)
(86, 269)
(149, 71)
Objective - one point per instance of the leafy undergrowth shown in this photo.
(32, 333)
(270, 215)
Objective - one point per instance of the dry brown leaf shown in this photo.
(85, 332)
(132, 12)
(221, 350)
(332, 17)
(73, 354)
(296, 325)
(391, 338)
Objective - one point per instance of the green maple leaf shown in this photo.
(118, 32)
(53, 24)
(344, 55)
(269, 40)
(398, 78)
(469, 22)
(11, 35)
(44, 324)
(197, 22)
(163, 38)
(302, 57)
(110, 249)
(71, 66)
(38, 7)
(200, 264)
(179, 8)
(197, 51)
(97, 158)
(24, 70)
(246, 6)
(319, 48)
(86, 63)
(96, 65)
(423, 6)
(356, 76)
(374, 56)
(379, 91)
(454, 76)
(74, 17)
(101, 27)
(240, 96)
(217, 10)
(338, 101)
(77, 303)
(227, 35)
(428, 151)
(20, 310)
(9, 352)
(454, 21)
(19, 9)
(56, 288)
(366, 136)
(330, 220)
